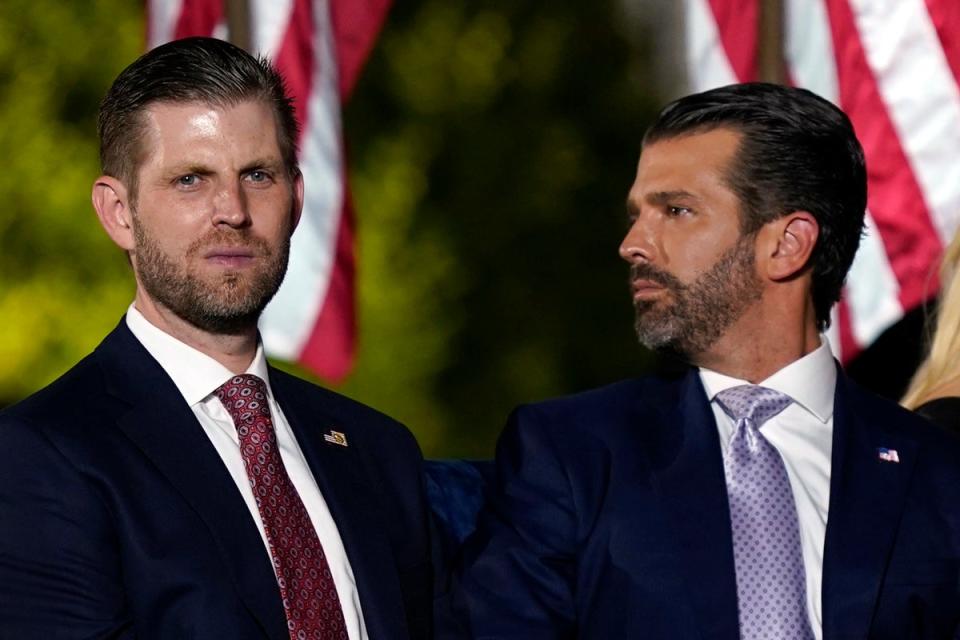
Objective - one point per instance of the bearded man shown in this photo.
(761, 494)
(173, 484)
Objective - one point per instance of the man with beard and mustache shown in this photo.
(760, 494)
(173, 484)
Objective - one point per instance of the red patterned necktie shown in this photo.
(309, 595)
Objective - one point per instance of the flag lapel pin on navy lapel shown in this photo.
(887, 455)
(336, 437)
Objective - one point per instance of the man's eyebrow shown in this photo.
(658, 198)
(263, 163)
(664, 197)
(188, 168)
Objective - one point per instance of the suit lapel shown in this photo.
(688, 469)
(164, 428)
(339, 472)
(867, 498)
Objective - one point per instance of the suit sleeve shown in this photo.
(519, 567)
(59, 570)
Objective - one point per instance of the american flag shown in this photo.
(319, 46)
(888, 455)
(893, 66)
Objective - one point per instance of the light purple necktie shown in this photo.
(771, 583)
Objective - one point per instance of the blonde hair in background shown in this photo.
(942, 364)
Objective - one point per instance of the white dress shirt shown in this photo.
(803, 434)
(198, 376)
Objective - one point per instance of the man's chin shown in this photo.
(224, 323)
(228, 311)
(660, 336)
(654, 338)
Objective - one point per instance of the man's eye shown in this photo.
(188, 180)
(678, 211)
(258, 176)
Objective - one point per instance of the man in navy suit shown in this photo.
(760, 494)
(173, 484)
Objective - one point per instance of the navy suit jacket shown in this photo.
(118, 518)
(609, 519)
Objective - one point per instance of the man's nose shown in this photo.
(639, 244)
(230, 206)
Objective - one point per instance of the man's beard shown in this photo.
(692, 317)
(228, 304)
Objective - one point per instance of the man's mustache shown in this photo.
(646, 271)
(238, 238)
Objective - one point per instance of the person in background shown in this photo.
(173, 484)
(934, 390)
(760, 494)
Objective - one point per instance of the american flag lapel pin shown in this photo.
(336, 437)
(887, 455)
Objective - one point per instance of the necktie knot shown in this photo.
(244, 397)
(753, 403)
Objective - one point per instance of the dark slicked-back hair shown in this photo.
(797, 152)
(204, 70)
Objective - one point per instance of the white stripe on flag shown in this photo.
(707, 62)
(833, 333)
(872, 290)
(921, 94)
(163, 21)
(289, 319)
(269, 22)
(220, 31)
(808, 48)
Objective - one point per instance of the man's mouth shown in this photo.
(645, 289)
(227, 256)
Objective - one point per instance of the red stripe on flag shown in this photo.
(148, 20)
(296, 58)
(737, 22)
(895, 199)
(849, 347)
(945, 15)
(330, 349)
(198, 18)
(356, 24)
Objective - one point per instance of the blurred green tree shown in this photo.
(62, 284)
(493, 146)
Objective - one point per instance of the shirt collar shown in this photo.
(810, 381)
(195, 374)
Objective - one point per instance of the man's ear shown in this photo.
(297, 199)
(112, 202)
(786, 244)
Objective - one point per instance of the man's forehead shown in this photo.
(184, 110)
(202, 119)
(199, 119)
(196, 133)
(685, 168)
(688, 155)
(720, 139)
